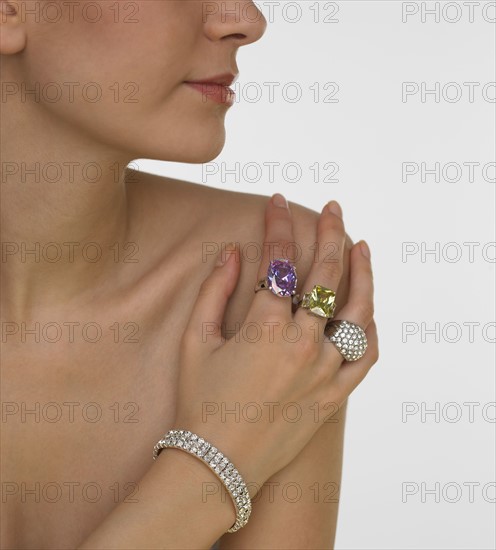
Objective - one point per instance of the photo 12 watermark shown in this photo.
(70, 11)
(68, 492)
(71, 412)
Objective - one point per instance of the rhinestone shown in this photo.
(320, 301)
(210, 454)
(202, 451)
(281, 277)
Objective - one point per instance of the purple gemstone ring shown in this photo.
(281, 278)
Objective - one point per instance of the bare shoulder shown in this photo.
(237, 215)
(222, 215)
(210, 218)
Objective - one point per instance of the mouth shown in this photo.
(216, 88)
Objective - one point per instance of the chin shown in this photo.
(197, 151)
(206, 147)
(205, 156)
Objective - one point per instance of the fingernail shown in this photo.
(225, 254)
(221, 258)
(279, 201)
(364, 247)
(334, 208)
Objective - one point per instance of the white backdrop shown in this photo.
(388, 107)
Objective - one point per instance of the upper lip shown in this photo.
(225, 79)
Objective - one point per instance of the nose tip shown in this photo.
(258, 23)
(262, 25)
(241, 21)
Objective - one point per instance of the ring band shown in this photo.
(350, 339)
(262, 285)
(281, 278)
(320, 301)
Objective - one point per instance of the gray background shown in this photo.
(411, 479)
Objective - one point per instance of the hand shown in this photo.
(278, 357)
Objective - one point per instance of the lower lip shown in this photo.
(215, 92)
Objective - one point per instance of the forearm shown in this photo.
(298, 506)
(172, 511)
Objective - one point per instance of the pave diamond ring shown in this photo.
(349, 339)
(218, 463)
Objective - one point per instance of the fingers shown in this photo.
(360, 306)
(349, 375)
(327, 268)
(278, 243)
(204, 325)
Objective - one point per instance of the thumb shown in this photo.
(204, 326)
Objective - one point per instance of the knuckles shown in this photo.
(348, 243)
(207, 287)
(212, 287)
(333, 270)
(333, 224)
(291, 344)
(308, 350)
(272, 321)
(365, 311)
(323, 373)
(279, 215)
(373, 354)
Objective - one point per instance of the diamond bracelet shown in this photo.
(218, 463)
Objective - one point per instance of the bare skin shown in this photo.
(140, 378)
(112, 494)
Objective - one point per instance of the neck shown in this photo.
(63, 211)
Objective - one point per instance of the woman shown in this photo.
(126, 315)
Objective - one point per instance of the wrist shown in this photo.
(193, 480)
(218, 463)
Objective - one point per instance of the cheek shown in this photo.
(104, 52)
(125, 63)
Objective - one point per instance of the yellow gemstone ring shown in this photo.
(320, 301)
